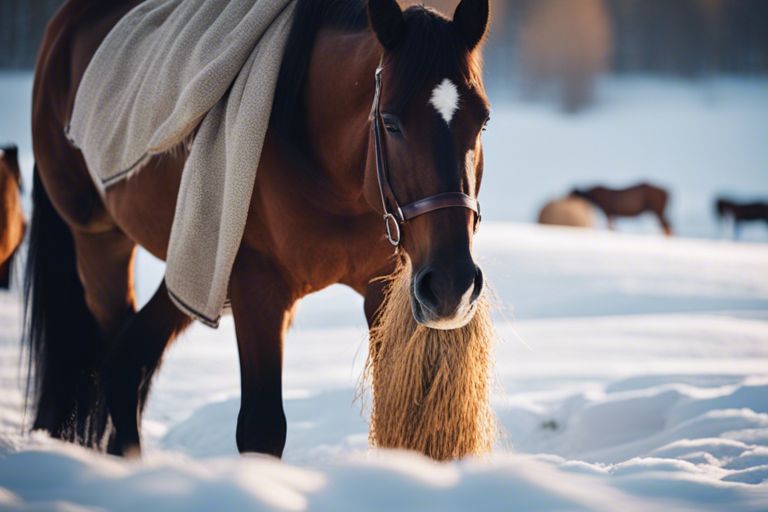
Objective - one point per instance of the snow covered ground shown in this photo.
(632, 374)
(662, 410)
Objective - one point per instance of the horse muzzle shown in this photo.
(443, 300)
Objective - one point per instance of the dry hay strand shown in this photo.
(430, 388)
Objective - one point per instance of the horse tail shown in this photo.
(664, 197)
(61, 336)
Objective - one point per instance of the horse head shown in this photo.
(722, 207)
(432, 109)
(577, 192)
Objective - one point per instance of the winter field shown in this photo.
(632, 371)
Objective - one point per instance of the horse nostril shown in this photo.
(478, 284)
(442, 296)
(424, 291)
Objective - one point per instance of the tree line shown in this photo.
(686, 37)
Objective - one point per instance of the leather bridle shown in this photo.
(395, 217)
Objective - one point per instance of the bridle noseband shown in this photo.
(397, 216)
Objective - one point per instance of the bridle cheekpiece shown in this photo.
(399, 215)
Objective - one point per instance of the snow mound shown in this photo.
(666, 410)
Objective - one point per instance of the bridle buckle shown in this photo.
(393, 235)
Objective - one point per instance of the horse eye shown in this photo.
(392, 128)
(391, 124)
(485, 123)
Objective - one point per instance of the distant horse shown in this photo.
(331, 167)
(741, 212)
(629, 202)
(567, 211)
(12, 223)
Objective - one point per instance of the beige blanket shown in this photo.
(167, 68)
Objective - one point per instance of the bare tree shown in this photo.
(566, 43)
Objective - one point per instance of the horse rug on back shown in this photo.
(171, 70)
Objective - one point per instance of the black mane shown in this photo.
(288, 107)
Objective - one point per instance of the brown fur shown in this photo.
(311, 223)
(430, 387)
(12, 224)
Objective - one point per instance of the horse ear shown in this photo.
(471, 20)
(387, 22)
(9, 153)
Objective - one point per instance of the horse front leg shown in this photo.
(262, 303)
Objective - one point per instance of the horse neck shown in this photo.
(585, 195)
(338, 97)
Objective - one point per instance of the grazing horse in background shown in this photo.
(741, 212)
(315, 217)
(629, 202)
(12, 223)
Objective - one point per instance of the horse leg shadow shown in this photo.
(127, 373)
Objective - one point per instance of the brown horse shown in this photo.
(741, 212)
(12, 223)
(315, 218)
(629, 202)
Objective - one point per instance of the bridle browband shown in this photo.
(398, 215)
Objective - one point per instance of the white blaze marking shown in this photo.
(445, 99)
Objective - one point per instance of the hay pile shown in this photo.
(430, 387)
(568, 211)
